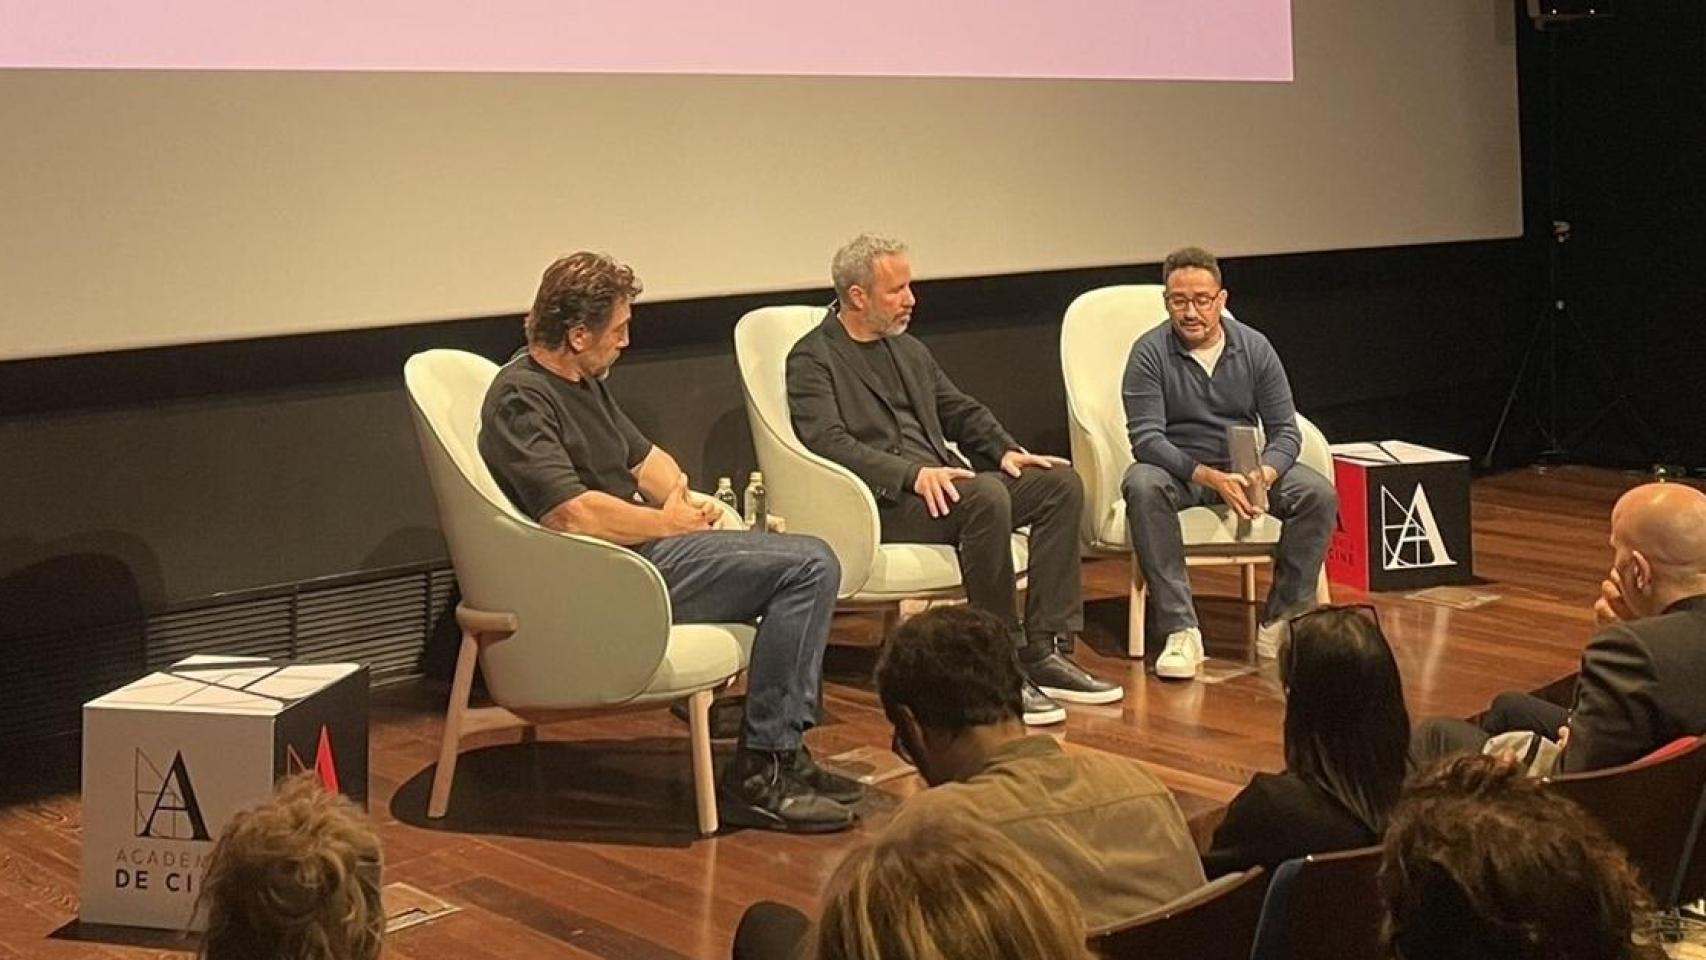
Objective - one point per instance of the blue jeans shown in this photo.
(1302, 499)
(786, 582)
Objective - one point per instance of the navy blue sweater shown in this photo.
(1177, 415)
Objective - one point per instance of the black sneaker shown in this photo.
(1062, 679)
(827, 784)
(760, 789)
(1039, 709)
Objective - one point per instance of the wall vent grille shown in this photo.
(380, 618)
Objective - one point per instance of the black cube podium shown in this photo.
(1403, 517)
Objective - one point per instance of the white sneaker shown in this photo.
(1269, 636)
(1183, 656)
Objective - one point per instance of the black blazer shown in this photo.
(1642, 685)
(840, 412)
(1279, 817)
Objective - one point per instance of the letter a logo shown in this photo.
(325, 762)
(166, 807)
(1410, 537)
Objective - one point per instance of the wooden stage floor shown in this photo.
(581, 845)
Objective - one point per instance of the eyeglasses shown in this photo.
(1288, 649)
(1177, 302)
(897, 746)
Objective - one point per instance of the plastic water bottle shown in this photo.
(726, 494)
(757, 512)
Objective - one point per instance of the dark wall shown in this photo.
(191, 471)
(1631, 124)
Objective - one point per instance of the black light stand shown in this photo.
(1539, 370)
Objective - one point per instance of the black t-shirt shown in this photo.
(914, 442)
(548, 439)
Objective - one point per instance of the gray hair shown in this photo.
(855, 263)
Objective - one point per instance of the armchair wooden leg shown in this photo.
(1139, 600)
(460, 687)
(1247, 583)
(704, 776)
(1323, 589)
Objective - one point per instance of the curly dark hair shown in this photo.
(953, 667)
(580, 290)
(1482, 862)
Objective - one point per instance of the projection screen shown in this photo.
(199, 187)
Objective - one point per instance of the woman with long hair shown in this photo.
(1347, 736)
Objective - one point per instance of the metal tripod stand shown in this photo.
(1556, 322)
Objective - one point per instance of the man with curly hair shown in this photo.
(1483, 863)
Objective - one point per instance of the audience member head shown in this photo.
(1194, 295)
(949, 681)
(1483, 863)
(1658, 542)
(582, 310)
(873, 285)
(1346, 727)
(295, 877)
(942, 888)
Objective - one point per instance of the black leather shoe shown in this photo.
(1039, 709)
(760, 789)
(1062, 679)
(827, 784)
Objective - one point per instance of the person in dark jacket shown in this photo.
(1347, 737)
(865, 393)
(1642, 682)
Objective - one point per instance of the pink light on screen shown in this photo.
(1135, 39)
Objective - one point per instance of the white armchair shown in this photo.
(823, 498)
(1095, 341)
(560, 624)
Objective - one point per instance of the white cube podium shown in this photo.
(169, 758)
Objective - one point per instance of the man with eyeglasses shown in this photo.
(1103, 825)
(1186, 383)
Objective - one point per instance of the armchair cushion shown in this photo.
(910, 569)
(699, 655)
(1202, 527)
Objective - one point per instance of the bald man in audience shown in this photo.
(1643, 676)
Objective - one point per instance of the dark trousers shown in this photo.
(1441, 737)
(788, 583)
(1303, 500)
(992, 505)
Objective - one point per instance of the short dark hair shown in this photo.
(1185, 257)
(1347, 730)
(1483, 862)
(580, 290)
(953, 667)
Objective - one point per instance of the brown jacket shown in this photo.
(1101, 824)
